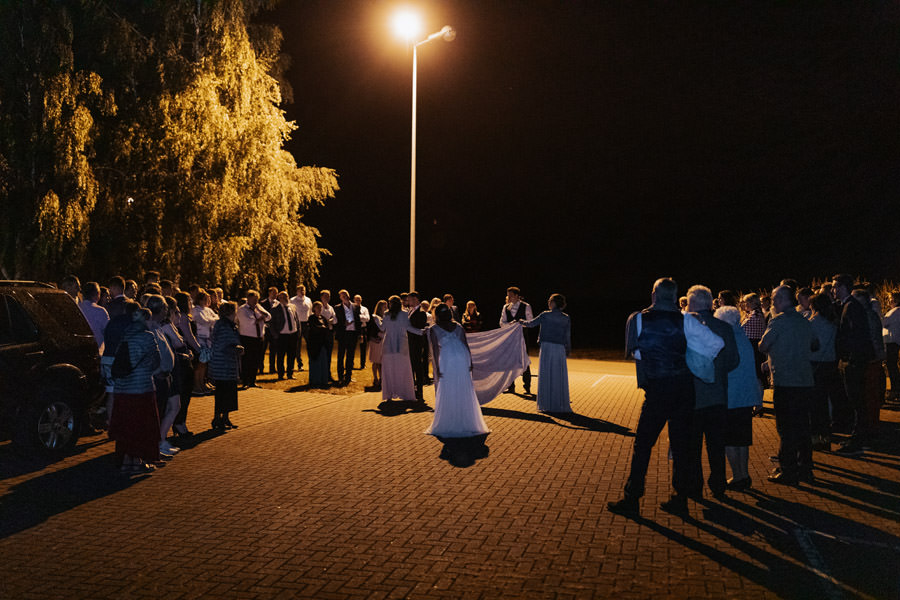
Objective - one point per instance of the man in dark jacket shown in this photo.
(657, 339)
(854, 349)
(711, 401)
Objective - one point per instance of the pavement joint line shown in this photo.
(831, 587)
(602, 377)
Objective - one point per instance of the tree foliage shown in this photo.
(149, 134)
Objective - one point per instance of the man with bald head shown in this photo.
(789, 341)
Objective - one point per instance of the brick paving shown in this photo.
(322, 495)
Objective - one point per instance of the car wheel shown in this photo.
(51, 423)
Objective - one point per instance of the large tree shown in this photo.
(165, 148)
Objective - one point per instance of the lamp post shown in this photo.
(407, 25)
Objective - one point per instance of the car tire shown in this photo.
(49, 425)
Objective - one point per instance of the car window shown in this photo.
(64, 311)
(6, 334)
(21, 328)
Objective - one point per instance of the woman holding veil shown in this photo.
(556, 343)
(456, 410)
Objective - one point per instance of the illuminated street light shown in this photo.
(407, 25)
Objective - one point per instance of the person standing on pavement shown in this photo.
(744, 394)
(225, 366)
(827, 379)
(287, 323)
(364, 318)
(854, 352)
(346, 330)
(270, 340)
(517, 310)
(556, 343)
(330, 320)
(711, 399)
(251, 321)
(892, 344)
(657, 338)
(417, 343)
(303, 306)
(789, 341)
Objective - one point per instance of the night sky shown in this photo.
(589, 149)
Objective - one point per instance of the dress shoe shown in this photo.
(739, 485)
(168, 448)
(676, 505)
(629, 505)
(218, 424)
(510, 390)
(228, 424)
(779, 476)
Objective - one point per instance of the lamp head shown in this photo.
(448, 33)
(407, 24)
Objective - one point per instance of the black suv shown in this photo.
(49, 367)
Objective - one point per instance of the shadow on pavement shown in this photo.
(34, 501)
(590, 423)
(463, 452)
(393, 408)
(575, 421)
(14, 463)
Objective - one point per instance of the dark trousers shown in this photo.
(875, 385)
(346, 351)
(300, 339)
(792, 421)
(326, 348)
(854, 377)
(709, 423)
(418, 359)
(826, 391)
(271, 342)
(250, 361)
(669, 400)
(363, 346)
(184, 382)
(893, 355)
(287, 349)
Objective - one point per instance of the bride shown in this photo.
(456, 411)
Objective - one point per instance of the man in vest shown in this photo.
(657, 339)
(514, 311)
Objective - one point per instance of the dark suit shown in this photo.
(285, 343)
(418, 350)
(346, 339)
(269, 339)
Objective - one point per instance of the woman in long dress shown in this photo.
(316, 352)
(456, 410)
(396, 370)
(556, 343)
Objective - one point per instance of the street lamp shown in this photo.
(408, 25)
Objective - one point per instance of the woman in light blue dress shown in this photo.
(556, 342)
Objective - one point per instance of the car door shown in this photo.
(21, 355)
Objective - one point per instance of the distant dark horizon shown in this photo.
(588, 150)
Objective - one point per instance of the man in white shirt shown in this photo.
(515, 311)
(328, 315)
(270, 341)
(287, 324)
(303, 306)
(347, 328)
(251, 320)
(363, 333)
(96, 315)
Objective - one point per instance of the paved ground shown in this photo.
(322, 495)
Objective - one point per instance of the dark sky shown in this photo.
(588, 148)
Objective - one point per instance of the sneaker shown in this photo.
(629, 505)
(168, 448)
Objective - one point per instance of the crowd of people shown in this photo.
(161, 346)
(703, 363)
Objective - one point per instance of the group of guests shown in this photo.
(822, 351)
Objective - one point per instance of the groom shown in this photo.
(517, 310)
(418, 344)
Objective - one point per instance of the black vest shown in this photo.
(519, 316)
(662, 344)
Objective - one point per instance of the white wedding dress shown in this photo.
(456, 409)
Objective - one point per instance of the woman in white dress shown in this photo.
(396, 370)
(556, 343)
(456, 409)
